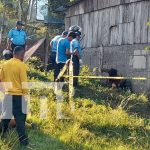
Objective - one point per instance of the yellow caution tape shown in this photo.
(104, 77)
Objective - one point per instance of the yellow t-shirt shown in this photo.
(14, 72)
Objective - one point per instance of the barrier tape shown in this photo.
(105, 77)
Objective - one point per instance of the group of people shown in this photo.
(14, 71)
(64, 47)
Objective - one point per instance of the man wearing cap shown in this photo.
(53, 45)
(17, 36)
(76, 50)
(63, 51)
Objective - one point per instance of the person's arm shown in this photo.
(77, 53)
(23, 79)
(51, 43)
(68, 48)
(1, 78)
(25, 37)
(76, 49)
(10, 35)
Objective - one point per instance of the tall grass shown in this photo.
(103, 119)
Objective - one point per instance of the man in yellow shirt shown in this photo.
(14, 72)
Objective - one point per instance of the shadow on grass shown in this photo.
(138, 137)
(42, 141)
(109, 97)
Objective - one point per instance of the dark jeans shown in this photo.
(57, 70)
(15, 106)
(13, 46)
(76, 69)
(52, 61)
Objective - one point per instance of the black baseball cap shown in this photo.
(19, 23)
(65, 33)
(78, 33)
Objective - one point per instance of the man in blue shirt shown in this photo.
(17, 36)
(63, 51)
(53, 46)
(76, 50)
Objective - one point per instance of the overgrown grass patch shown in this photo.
(102, 118)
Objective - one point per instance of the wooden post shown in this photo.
(148, 75)
(46, 50)
(71, 88)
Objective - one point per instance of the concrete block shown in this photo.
(139, 62)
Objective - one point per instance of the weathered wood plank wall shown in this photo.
(86, 6)
(115, 30)
(118, 25)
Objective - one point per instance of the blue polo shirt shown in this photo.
(18, 37)
(54, 43)
(63, 45)
(75, 44)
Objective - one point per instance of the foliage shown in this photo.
(103, 118)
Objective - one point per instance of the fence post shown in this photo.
(71, 88)
(46, 49)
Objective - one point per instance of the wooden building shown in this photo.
(116, 35)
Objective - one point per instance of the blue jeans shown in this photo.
(12, 106)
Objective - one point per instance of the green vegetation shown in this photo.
(103, 119)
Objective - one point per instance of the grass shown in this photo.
(103, 119)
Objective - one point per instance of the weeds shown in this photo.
(103, 119)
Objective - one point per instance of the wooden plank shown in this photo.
(105, 27)
(76, 10)
(85, 20)
(95, 4)
(144, 20)
(74, 20)
(95, 29)
(86, 6)
(72, 11)
(120, 34)
(81, 7)
(128, 33)
(100, 15)
(138, 9)
(113, 16)
(149, 26)
(91, 5)
(121, 14)
(80, 23)
(113, 35)
(129, 13)
(90, 30)
(67, 23)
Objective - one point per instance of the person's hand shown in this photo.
(80, 61)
